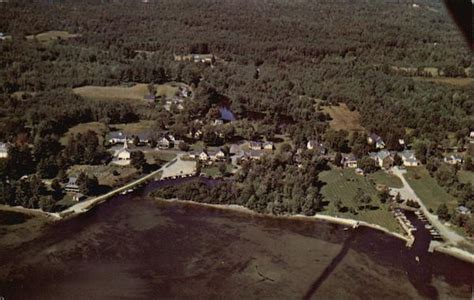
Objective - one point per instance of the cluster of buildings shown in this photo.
(197, 58)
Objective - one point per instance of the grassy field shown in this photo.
(104, 173)
(382, 177)
(213, 171)
(160, 156)
(97, 127)
(133, 128)
(428, 189)
(52, 35)
(342, 185)
(466, 176)
(462, 82)
(343, 118)
(136, 92)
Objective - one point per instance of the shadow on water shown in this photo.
(330, 268)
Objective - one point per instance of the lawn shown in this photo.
(105, 173)
(52, 35)
(342, 185)
(466, 176)
(133, 128)
(343, 118)
(213, 170)
(160, 156)
(382, 177)
(428, 189)
(135, 93)
(97, 127)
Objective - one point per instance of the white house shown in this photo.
(72, 185)
(255, 145)
(453, 159)
(268, 146)
(164, 143)
(317, 146)
(408, 158)
(3, 150)
(116, 137)
(123, 156)
(349, 161)
(203, 156)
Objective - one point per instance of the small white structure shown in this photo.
(78, 197)
(218, 122)
(123, 156)
(383, 158)
(117, 137)
(268, 146)
(349, 161)
(3, 150)
(255, 145)
(409, 159)
(453, 159)
(463, 210)
(164, 143)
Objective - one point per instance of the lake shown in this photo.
(137, 247)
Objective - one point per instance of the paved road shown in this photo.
(407, 192)
(169, 169)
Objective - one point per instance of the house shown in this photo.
(255, 145)
(453, 159)
(123, 156)
(359, 171)
(471, 137)
(164, 142)
(234, 149)
(268, 146)
(463, 210)
(3, 150)
(72, 185)
(203, 58)
(408, 158)
(216, 154)
(143, 138)
(204, 156)
(116, 137)
(78, 197)
(317, 147)
(383, 158)
(349, 161)
(253, 155)
(376, 140)
(401, 142)
(218, 122)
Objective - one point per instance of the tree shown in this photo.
(222, 169)
(397, 160)
(443, 212)
(362, 199)
(57, 189)
(367, 164)
(138, 160)
(398, 198)
(384, 195)
(338, 159)
(183, 146)
(468, 165)
(339, 205)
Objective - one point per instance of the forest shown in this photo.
(280, 59)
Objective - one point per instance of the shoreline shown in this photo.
(318, 217)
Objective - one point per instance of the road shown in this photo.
(406, 192)
(170, 169)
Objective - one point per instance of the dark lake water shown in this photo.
(136, 247)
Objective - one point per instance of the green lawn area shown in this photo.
(428, 189)
(153, 157)
(97, 127)
(382, 177)
(213, 170)
(342, 185)
(466, 176)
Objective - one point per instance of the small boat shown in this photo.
(123, 193)
(129, 190)
(417, 259)
(428, 226)
(346, 228)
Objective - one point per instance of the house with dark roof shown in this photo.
(383, 158)
(374, 139)
(116, 137)
(72, 186)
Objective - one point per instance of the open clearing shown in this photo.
(382, 177)
(427, 189)
(136, 92)
(342, 185)
(52, 35)
(343, 118)
(466, 176)
(133, 128)
(460, 81)
(97, 127)
(105, 173)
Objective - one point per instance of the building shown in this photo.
(216, 154)
(359, 171)
(218, 122)
(203, 156)
(164, 142)
(317, 147)
(78, 197)
(408, 158)
(203, 58)
(349, 161)
(463, 210)
(375, 140)
(255, 145)
(123, 156)
(71, 185)
(253, 155)
(268, 146)
(234, 149)
(3, 150)
(116, 137)
(383, 158)
(453, 159)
